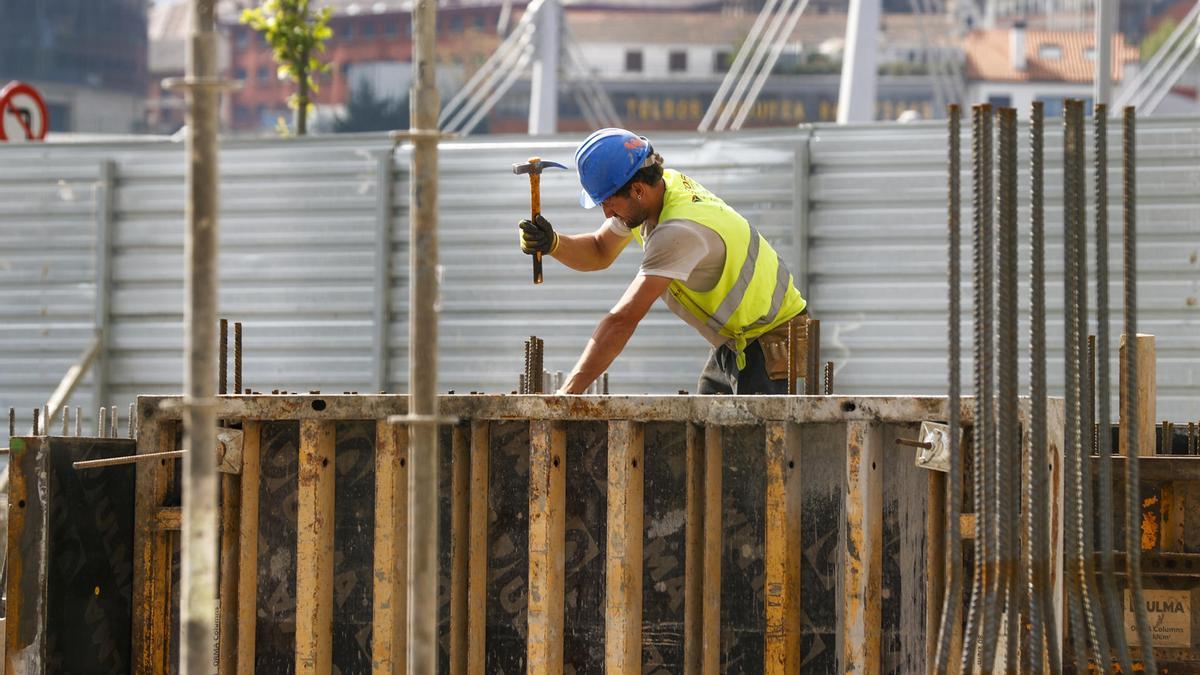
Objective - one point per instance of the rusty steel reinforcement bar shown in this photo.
(1103, 394)
(237, 357)
(971, 633)
(1133, 504)
(423, 347)
(953, 588)
(1040, 613)
(1008, 447)
(223, 359)
(1094, 605)
(1073, 494)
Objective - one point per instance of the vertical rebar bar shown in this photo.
(237, 357)
(989, 522)
(66, 420)
(198, 565)
(1103, 394)
(132, 425)
(78, 421)
(223, 359)
(1008, 454)
(1073, 496)
(423, 346)
(112, 415)
(12, 422)
(37, 412)
(970, 633)
(1043, 635)
(101, 424)
(604, 379)
(1094, 609)
(1093, 441)
(953, 588)
(829, 378)
(1133, 506)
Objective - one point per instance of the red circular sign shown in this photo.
(23, 115)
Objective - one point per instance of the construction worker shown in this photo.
(709, 265)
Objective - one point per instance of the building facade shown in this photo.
(87, 57)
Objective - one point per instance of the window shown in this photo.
(677, 61)
(368, 29)
(1050, 51)
(239, 73)
(347, 31)
(633, 61)
(1000, 101)
(390, 28)
(242, 38)
(480, 22)
(1089, 53)
(456, 24)
(721, 61)
(264, 73)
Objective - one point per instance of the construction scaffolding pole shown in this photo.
(1105, 18)
(199, 527)
(423, 348)
(856, 95)
(543, 99)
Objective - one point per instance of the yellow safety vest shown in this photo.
(755, 293)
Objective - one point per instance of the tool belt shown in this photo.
(774, 345)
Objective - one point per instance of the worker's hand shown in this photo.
(538, 235)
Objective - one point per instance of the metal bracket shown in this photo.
(936, 453)
(229, 450)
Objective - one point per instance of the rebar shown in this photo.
(1073, 524)
(1008, 449)
(812, 353)
(1093, 441)
(791, 357)
(1099, 347)
(1191, 438)
(223, 359)
(829, 378)
(1042, 633)
(36, 415)
(1133, 507)
(114, 425)
(78, 421)
(132, 428)
(604, 380)
(971, 635)
(527, 374)
(101, 426)
(66, 420)
(237, 357)
(12, 422)
(1094, 609)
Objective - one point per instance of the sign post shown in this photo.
(23, 115)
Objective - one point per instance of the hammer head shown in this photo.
(535, 165)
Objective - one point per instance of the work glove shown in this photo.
(538, 235)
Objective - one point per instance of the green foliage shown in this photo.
(1155, 40)
(368, 112)
(297, 36)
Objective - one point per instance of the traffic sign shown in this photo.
(23, 115)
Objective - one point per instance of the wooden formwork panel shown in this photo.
(726, 523)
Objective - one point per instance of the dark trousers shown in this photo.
(721, 375)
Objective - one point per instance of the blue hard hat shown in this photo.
(606, 160)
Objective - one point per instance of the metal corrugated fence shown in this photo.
(303, 221)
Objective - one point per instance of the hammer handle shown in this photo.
(535, 201)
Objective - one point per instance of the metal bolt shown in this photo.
(914, 444)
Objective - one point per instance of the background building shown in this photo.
(87, 57)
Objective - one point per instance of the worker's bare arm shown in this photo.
(590, 252)
(614, 332)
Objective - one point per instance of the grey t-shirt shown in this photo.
(687, 251)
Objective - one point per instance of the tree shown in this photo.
(297, 37)
(1155, 40)
(368, 112)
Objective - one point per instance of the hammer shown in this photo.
(534, 167)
